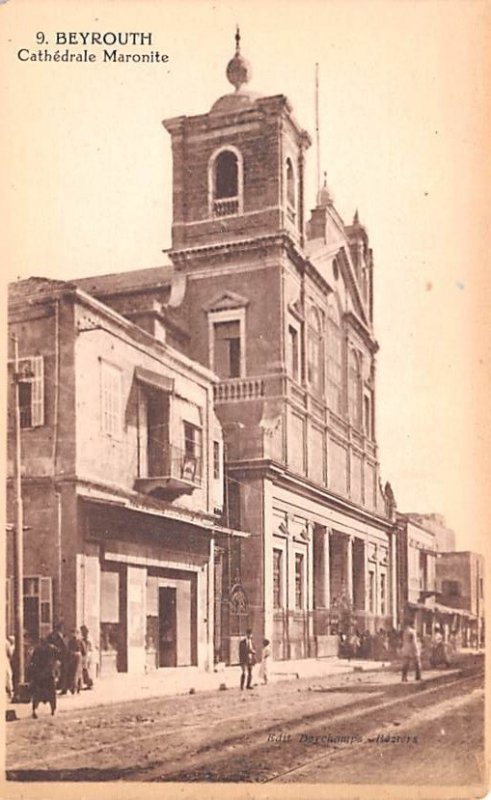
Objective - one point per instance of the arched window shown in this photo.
(315, 352)
(225, 183)
(290, 190)
(334, 359)
(354, 388)
(226, 175)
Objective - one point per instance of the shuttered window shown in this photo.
(31, 391)
(111, 391)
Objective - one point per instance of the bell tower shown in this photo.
(239, 169)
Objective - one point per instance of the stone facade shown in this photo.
(122, 482)
(282, 309)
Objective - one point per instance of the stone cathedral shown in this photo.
(278, 302)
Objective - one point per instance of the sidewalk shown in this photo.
(185, 680)
(121, 687)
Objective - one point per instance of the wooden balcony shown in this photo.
(174, 473)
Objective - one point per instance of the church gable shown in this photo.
(226, 301)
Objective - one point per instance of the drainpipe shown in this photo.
(57, 493)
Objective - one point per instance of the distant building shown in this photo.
(460, 583)
(122, 481)
(444, 536)
(416, 573)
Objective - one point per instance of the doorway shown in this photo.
(167, 627)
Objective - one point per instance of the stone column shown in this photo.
(349, 568)
(376, 604)
(393, 572)
(322, 589)
(327, 568)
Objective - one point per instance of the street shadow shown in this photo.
(81, 774)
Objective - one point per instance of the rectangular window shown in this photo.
(298, 580)
(227, 349)
(367, 416)
(423, 571)
(31, 391)
(277, 578)
(216, 460)
(233, 503)
(383, 597)
(192, 451)
(293, 352)
(155, 423)
(111, 400)
(38, 607)
(371, 591)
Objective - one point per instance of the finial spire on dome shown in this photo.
(324, 196)
(238, 69)
(356, 218)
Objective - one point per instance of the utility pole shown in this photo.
(18, 538)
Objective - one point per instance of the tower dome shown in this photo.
(239, 73)
(238, 68)
(324, 196)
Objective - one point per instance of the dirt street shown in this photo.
(356, 728)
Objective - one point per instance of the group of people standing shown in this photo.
(74, 653)
(57, 664)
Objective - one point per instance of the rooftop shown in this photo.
(121, 282)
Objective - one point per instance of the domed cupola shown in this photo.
(324, 196)
(239, 73)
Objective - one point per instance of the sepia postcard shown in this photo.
(246, 345)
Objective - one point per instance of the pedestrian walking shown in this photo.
(439, 651)
(247, 659)
(87, 658)
(76, 652)
(411, 652)
(266, 660)
(41, 676)
(57, 639)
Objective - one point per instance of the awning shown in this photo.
(204, 523)
(154, 379)
(463, 612)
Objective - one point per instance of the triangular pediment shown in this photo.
(225, 301)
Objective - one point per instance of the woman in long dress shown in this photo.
(41, 676)
(266, 660)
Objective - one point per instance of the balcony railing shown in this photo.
(237, 389)
(170, 471)
(226, 207)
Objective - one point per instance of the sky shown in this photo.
(404, 128)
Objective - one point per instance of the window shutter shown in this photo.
(37, 391)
